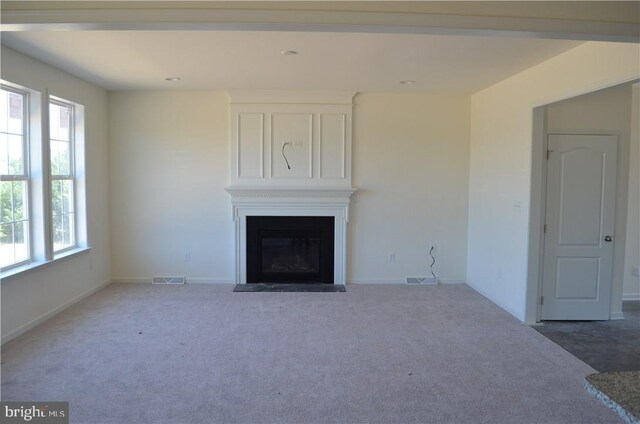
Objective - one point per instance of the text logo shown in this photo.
(34, 412)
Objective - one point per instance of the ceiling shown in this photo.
(252, 60)
(460, 46)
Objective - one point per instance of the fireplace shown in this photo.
(290, 249)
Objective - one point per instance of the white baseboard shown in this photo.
(132, 280)
(189, 280)
(42, 318)
(451, 281)
(631, 296)
(403, 281)
(378, 281)
(210, 281)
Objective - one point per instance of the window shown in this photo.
(14, 185)
(61, 148)
(43, 214)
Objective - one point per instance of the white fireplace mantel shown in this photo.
(291, 201)
(290, 155)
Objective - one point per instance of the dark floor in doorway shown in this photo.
(604, 345)
(304, 287)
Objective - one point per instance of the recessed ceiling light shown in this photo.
(407, 82)
(173, 79)
(288, 52)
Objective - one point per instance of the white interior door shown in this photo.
(580, 219)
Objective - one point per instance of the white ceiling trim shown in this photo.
(316, 21)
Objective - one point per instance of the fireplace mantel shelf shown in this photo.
(290, 192)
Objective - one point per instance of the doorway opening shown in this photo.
(610, 113)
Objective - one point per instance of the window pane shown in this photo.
(63, 232)
(67, 196)
(4, 154)
(19, 200)
(15, 153)
(11, 133)
(62, 199)
(67, 222)
(6, 201)
(60, 158)
(14, 230)
(21, 235)
(56, 198)
(11, 112)
(7, 253)
(4, 111)
(59, 122)
(57, 232)
(16, 109)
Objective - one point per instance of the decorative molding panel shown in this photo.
(250, 143)
(290, 138)
(332, 159)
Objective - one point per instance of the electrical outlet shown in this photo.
(187, 257)
(297, 143)
(392, 257)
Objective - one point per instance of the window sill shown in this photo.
(22, 270)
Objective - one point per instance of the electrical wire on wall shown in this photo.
(433, 261)
(284, 155)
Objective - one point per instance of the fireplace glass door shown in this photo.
(290, 249)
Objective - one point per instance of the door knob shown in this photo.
(608, 238)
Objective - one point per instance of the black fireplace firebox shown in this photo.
(290, 249)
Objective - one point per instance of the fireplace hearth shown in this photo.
(290, 249)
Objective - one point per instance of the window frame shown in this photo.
(69, 177)
(26, 174)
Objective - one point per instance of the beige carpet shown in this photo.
(201, 354)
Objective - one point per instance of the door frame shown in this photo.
(537, 206)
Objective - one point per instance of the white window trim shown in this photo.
(71, 176)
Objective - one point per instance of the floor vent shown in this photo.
(168, 280)
(421, 280)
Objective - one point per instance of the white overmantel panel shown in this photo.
(299, 138)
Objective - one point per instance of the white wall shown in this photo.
(169, 160)
(501, 158)
(170, 163)
(631, 288)
(36, 294)
(605, 110)
(410, 165)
